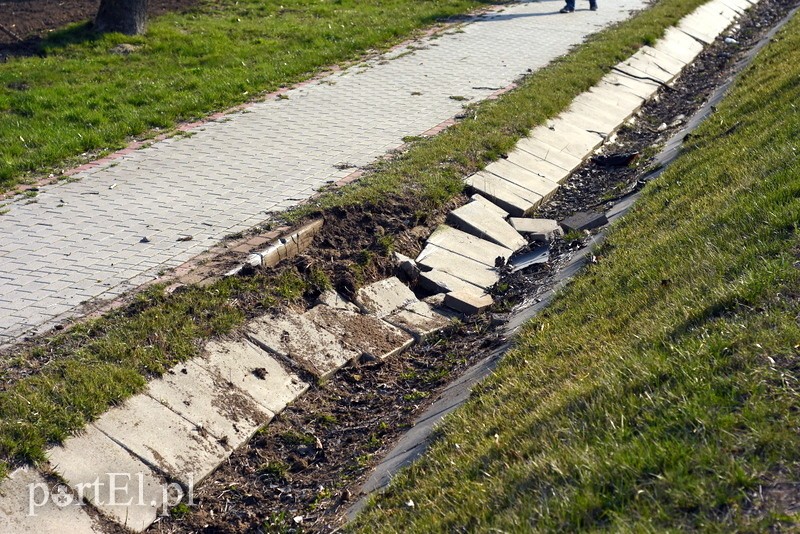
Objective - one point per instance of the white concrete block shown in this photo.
(384, 297)
(468, 245)
(537, 229)
(677, 44)
(516, 200)
(545, 152)
(364, 333)
(437, 281)
(475, 219)
(568, 138)
(479, 274)
(549, 171)
(419, 319)
(488, 205)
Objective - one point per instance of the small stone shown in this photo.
(661, 127)
(144, 240)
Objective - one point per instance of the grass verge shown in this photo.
(158, 331)
(659, 391)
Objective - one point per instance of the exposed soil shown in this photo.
(302, 471)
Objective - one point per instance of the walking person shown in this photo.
(570, 7)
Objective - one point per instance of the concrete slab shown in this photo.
(468, 245)
(536, 165)
(615, 109)
(364, 333)
(637, 86)
(468, 303)
(333, 299)
(111, 479)
(295, 338)
(211, 402)
(592, 120)
(584, 220)
(516, 200)
(384, 296)
(677, 44)
(641, 65)
(525, 178)
(437, 281)
(537, 229)
(163, 439)
(568, 138)
(476, 273)
(739, 6)
(20, 494)
(665, 61)
(718, 11)
(419, 319)
(250, 369)
(489, 206)
(694, 27)
(545, 152)
(626, 102)
(475, 219)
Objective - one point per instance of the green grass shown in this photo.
(660, 391)
(82, 97)
(159, 331)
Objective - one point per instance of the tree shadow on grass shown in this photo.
(42, 46)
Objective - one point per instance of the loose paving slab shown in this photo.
(468, 245)
(584, 220)
(677, 44)
(537, 229)
(545, 152)
(111, 479)
(526, 178)
(640, 65)
(384, 297)
(419, 319)
(298, 340)
(516, 200)
(364, 333)
(437, 281)
(468, 303)
(565, 137)
(636, 85)
(163, 439)
(536, 165)
(611, 112)
(664, 61)
(584, 117)
(332, 299)
(31, 505)
(488, 205)
(474, 272)
(475, 219)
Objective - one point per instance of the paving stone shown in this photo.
(623, 82)
(20, 494)
(297, 339)
(584, 221)
(568, 138)
(677, 44)
(468, 245)
(592, 120)
(516, 200)
(334, 300)
(364, 333)
(475, 219)
(536, 165)
(641, 65)
(476, 273)
(695, 27)
(384, 296)
(489, 206)
(537, 229)
(163, 439)
(419, 319)
(624, 100)
(111, 479)
(664, 61)
(528, 179)
(467, 302)
(211, 402)
(615, 110)
(543, 151)
(437, 281)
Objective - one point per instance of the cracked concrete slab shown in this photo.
(516, 200)
(364, 333)
(385, 296)
(419, 319)
(536, 165)
(568, 138)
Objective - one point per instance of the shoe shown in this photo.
(593, 7)
(566, 9)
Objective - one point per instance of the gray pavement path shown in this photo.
(80, 240)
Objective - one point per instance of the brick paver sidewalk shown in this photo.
(82, 240)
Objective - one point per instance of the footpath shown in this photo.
(125, 220)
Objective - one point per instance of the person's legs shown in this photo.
(592, 5)
(569, 8)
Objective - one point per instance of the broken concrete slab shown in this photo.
(475, 219)
(112, 480)
(384, 296)
(163, 439)
(437, 281)
(516, 200)
(664, 61)
(468, 245)
(584, 220)
(610, 111)
(545, 152)
(537, 229)
(536, 256)
(696, 26)
(31, 505)
(253, 371)
(406, 266)
(468, 303)
(332, 299)
(211, 402)
(476, 273)
(419, 319)
(623, 100)
(298, 340)
(364, 333)
(549, 171)
(565, 137)
(644, 66)
(637, 86)
(592, 120)
(677, 44)
(489, 206)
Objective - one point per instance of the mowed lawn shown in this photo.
(660, 391)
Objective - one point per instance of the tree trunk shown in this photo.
(124, 16)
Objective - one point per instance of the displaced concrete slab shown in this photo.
(695, 27)
(637, 86)
(163, 439)
(489, 206)
(568, 138)
(295, 338)
(211, 402)
(419, 319)
(468, 303)
(545, 152)
(584, 220)
(525, 178)
(333, 299)
(253, 371)
(20, 512)
(475, 219)
(537, 229)
(516, 200)
(468, 245)
(384, 296)
(112, 480)
(536, 256)
(664, 61)
(641, 65)
(437, 281)
(677, 44)
(471, 271)
(364, 333)
(537, 165)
